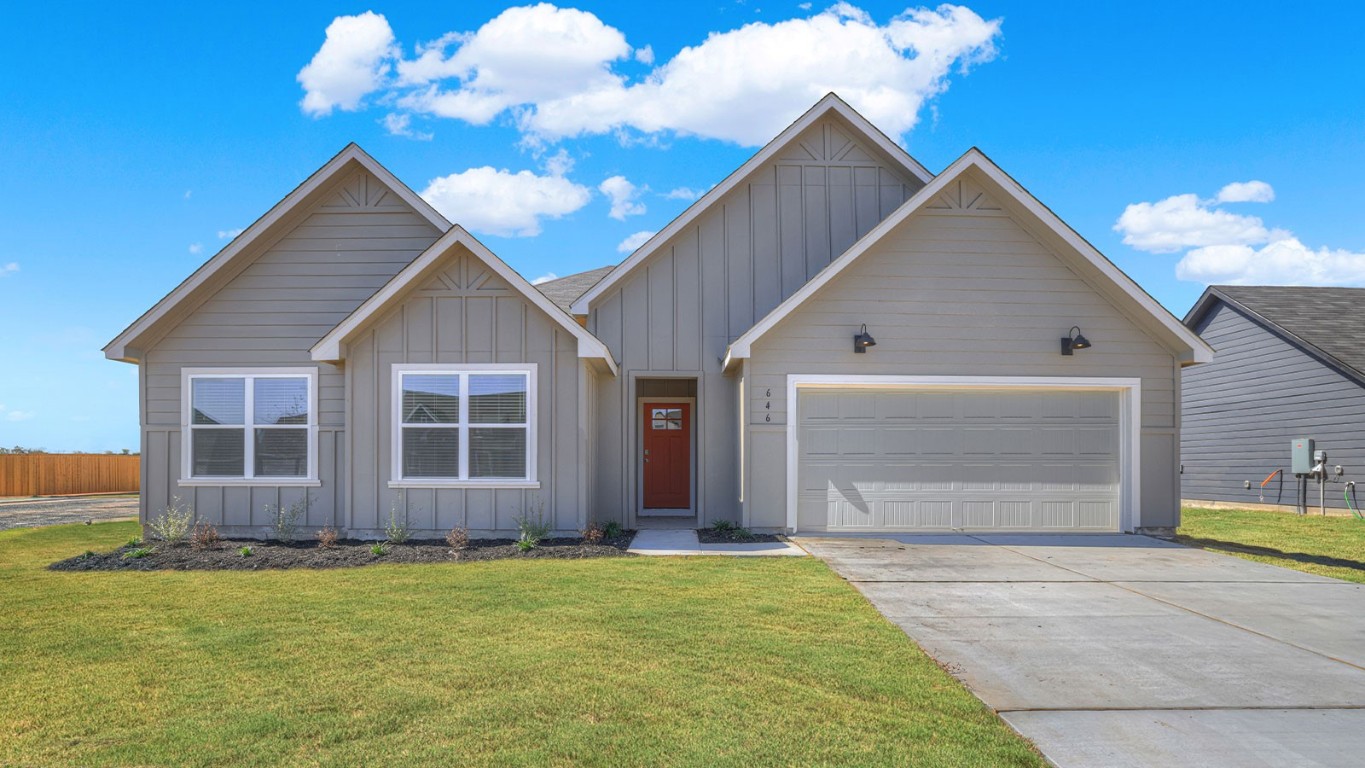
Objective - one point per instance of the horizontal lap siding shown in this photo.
(960, 294)
(678, 312)
(488, 324)
(270, 315)
(1241, 412)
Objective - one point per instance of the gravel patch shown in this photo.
(32, 513)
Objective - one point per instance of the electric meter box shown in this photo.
(1301, 456)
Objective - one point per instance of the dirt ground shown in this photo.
(30, 513)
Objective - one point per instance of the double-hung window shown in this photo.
(250, 425)
(464, 425)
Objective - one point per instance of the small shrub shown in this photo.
(593, 534)
(173, 524)
(204, 536)
(532, 526)
(246, 551)
(137, 554)
(89, 553)
(612, 529)
(379, 548)
(397, 531)
(458, 538)
(723, 526)
(136, 541)
(327, 537)
(284, 521)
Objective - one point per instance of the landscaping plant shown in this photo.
(173, 524)
(327, 537)
(593, 534)
(397, 531)
(532, 526)
(458, 538)
(284, 520)
(378, 548)
(245, 551)
(204, 536)
(137, 554)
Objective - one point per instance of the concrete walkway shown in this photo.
(1130, 651)
(685, 542)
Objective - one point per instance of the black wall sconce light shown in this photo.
(862, 340)
(1074, 339)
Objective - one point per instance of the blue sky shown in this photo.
(135, 139)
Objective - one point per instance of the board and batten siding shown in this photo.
(345, 246)
(466, 314)
(677, 312)
(957, 289)
(1242, 411)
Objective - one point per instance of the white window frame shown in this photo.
(188, 375)
(397, 480)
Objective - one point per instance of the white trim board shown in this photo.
(1195, 349)
(831, 104)
(1130, 421)
(331, 347)
(351, 155)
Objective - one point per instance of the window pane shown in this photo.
(431, 399)
(497, 399)
(497, 452)
(281, 452)
(281, 401)
(431, 452)
(218, 452)
(218, 401)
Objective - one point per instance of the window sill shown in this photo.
(486, 484)
(260, 482)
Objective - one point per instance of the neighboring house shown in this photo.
(1288, 363)
(711, 376)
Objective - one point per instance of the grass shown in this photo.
(1327, 546)
(630, 661)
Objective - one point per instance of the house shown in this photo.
(832, 338)
(1288, 364)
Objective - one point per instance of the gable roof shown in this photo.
(349, 158)
(564, 290)
(332, 346)
(831, 104)
(1192, 348)
(1325, 321)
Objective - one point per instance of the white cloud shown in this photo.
(228, 234)
(10, 415)
(1231, 248)
(559, 164)
(623, 196)
(196, 248)
(683, 193)
(634, 241)
(553, 71)
(8, 269)
(1245, 192)
(499, 202)
(400, 124)
(353, 62)
(1185, 221)
(545, 278)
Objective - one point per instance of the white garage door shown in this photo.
(942, 460)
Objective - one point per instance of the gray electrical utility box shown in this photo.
(1301, 456)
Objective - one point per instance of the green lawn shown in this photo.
(1328, 546)
(631, 661)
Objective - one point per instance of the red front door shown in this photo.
(668, 455)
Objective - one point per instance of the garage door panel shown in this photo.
(941, 460)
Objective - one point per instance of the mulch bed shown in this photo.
(735, 536)
(345, 554)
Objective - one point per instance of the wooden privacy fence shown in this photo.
(59, 474)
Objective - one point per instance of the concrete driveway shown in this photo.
(1130, 651)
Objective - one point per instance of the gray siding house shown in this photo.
(831, 339)
(1287, 363)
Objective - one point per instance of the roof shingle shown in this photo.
(564, 291)
(1330, 319)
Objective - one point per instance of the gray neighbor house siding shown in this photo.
(1272, 380)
